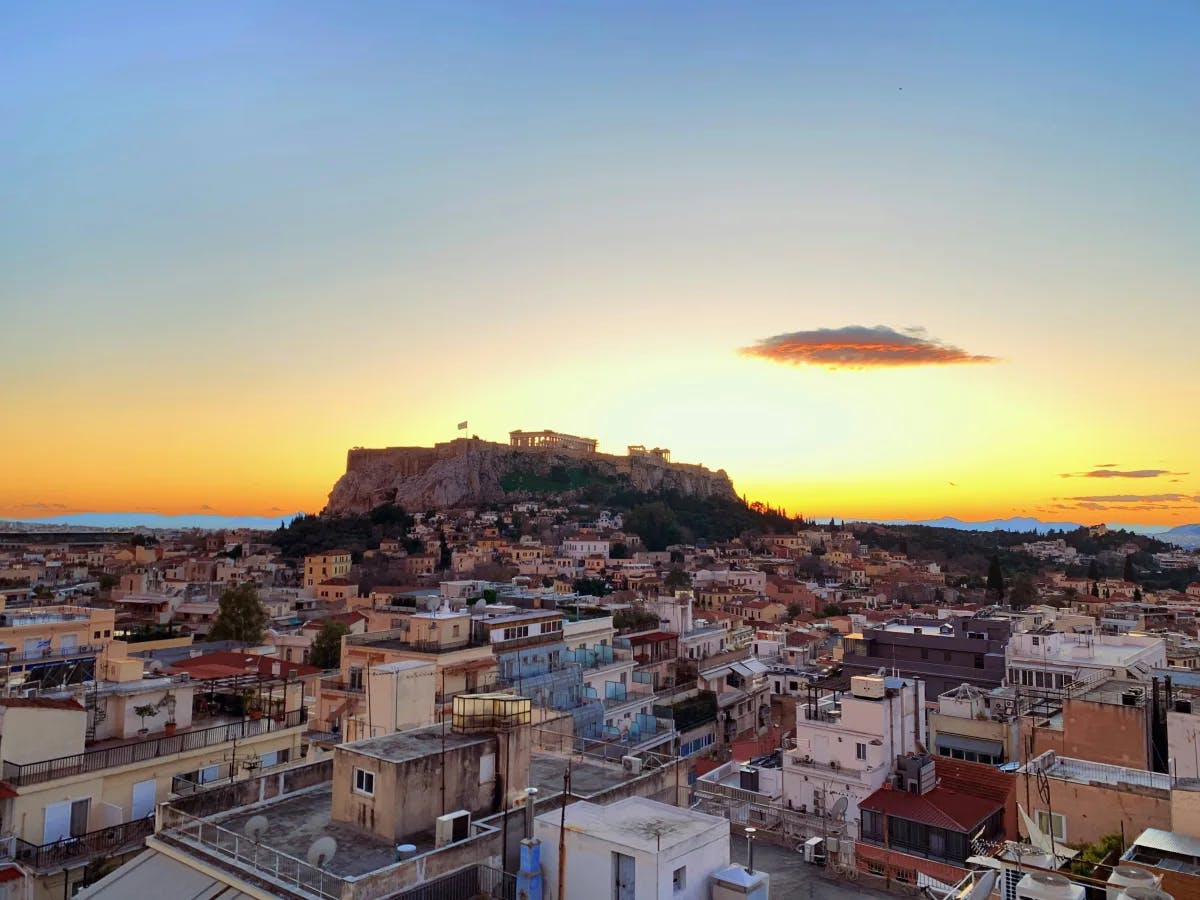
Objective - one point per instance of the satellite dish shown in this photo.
(431, 604)
(480, 605)
(839, 808)
(255, 827)
(156, 666)
(321, 851)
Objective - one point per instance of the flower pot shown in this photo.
(256, 713)
(169, 728)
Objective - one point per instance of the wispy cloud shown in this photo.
(42, 506)
(861, 347)
(1108, 472)
(1138, 498)
(205, 508)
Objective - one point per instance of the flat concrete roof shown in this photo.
(418, 743)
(640, 823)
(588, 777)
(294, 822)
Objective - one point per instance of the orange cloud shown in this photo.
(1106, 472)
(861, 347)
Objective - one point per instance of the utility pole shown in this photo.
(562, 835)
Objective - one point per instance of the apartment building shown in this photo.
(943, 653)
(1047, 661)
(52, 645)
(84, 769)
(743, 697)
(846, 744)
(322, 566)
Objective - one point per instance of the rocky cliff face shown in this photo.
(470, 473)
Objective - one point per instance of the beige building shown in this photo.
(323, 566)
(84, 769)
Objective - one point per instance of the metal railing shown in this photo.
(50, 653)
(18, 774)
(242, 852)
(183, 785)
(336, 684)
(93, 844)
(476, 881)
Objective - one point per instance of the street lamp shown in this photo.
(750, 849)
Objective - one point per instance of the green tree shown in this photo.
(445, 557)
(1093, 571)
(240, 616)
(677, 579)
(326, 651)
(995, 579)
(655, 523)
(1023, 592)
(618, 551)
(795, 610)
(1129, 574)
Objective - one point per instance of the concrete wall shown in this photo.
(1099, 732)
(34, 734)
(589, 870)
(420, 783)
(1094, 810)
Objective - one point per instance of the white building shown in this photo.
(1050, 660)
(846, 745)
(583, 547)
(745, 579)
(634, 848)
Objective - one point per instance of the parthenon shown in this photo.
(548, 438)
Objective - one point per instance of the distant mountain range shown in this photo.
(1184, 535)
(158, 520)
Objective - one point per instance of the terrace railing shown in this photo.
(99, 843)
(243, 853)
(21, 774)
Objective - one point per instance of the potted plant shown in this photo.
(146, 710)
(168, 701)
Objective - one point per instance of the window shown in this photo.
(364, 782)
(979, 660)
(679, 879)
(860, 750)
(356, 678)
(1047, 821)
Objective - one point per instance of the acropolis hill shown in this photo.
(471, 472)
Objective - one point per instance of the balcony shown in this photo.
(93, 845)
(11, 659)
(336, 685)
(20, 775)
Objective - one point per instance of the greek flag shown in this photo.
(462, 426)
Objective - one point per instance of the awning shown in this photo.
(969, 744)
(154, 874)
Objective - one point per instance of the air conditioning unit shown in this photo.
(1123, 877)
(451, 828)
(1049, 886)
(632, 764)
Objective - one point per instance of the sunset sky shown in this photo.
(874, 259)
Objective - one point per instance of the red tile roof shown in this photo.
(227, 664)
(976, 779)
(40, 703)
(940, 808)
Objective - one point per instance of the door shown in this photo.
(623, 877)
(143, 799)
(79, 816)
(58, 822)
